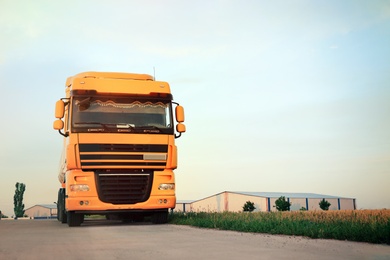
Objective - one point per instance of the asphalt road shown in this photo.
(102, 239)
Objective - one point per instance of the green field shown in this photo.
(371, 226)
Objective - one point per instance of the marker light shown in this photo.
(79, 187)
(166, 186)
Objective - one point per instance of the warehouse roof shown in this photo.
(184, 201)
(291, 195)
(50, 206)
(286, 194)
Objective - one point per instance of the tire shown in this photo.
(61, 215)
(74, 219)
(58, 205)
(160, 217)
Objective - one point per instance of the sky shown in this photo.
(279, 96)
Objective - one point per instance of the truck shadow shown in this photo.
(106, 222)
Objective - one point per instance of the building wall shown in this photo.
(272, 204)
(216, 203)
(226, 201)
(180, 207)
(233, 202)
(183, 207)
(334, 204)
(347, 204)
(237, 201)
(297, 204)
(39, 211)
(314, 204)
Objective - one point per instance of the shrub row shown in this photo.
(371, 226)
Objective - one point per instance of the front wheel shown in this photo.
(61, 215)
(160, 217)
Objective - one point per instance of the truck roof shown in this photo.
(109, 75)
(117, 83)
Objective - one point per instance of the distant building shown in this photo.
(42, 211)
(183, 205)
(264, 201)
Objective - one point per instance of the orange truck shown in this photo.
(119, 148)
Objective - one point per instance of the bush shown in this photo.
(249, 206)
(282, 204)
(324, 204)
(2, 215)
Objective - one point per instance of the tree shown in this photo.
(2, 215)
(324, 204)
(18, 200)
(249, 206)
(282, 204)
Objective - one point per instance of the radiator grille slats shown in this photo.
(124, 187)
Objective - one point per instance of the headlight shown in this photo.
(79, 187)
(166, 186)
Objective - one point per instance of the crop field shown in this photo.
(371, 226)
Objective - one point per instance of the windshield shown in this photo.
(108, 114)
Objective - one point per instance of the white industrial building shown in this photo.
(42, 211)
(264, 201)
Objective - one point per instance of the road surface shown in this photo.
(102, 239)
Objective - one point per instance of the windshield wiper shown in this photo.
(105, 126)
(151, 128)
(109, 126)
(124, 125)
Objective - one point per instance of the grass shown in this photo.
(371, 226)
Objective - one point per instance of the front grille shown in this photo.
(111, 156)
(123, 186)
(123, 148)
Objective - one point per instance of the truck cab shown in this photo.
(119, 148)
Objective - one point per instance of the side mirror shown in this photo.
(181, 128)
(58, 124)
(60, 109)
(179, 111)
